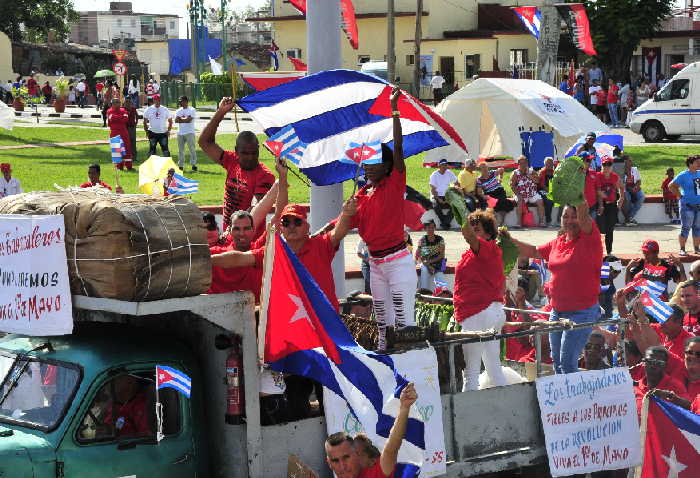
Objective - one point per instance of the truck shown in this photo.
(58, 418)
(673, 110)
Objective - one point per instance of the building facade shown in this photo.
(121, 25)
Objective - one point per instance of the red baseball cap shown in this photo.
(156, 97)
(650, 245)
(5, 167)
(296, 210)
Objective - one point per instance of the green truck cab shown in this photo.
(59, 414)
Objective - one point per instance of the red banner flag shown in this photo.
(349, 23)
(574, 14)
(298, 64)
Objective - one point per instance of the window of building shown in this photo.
(362, 59)
(172, 25)
(119, 22)
(518, 57)
(293, 53)
(133, 22)
(410, 60)
(472, 65)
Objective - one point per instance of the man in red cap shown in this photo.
(653, 268)
(157, 122)
(8, 184)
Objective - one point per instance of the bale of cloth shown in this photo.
(129, 247)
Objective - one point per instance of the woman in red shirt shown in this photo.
(478, 297)
(381, 225)
(611, 196)
(117, 119)
(574, 259)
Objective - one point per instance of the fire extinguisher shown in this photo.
(235, 399)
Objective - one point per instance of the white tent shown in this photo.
(490, 113)
(7, 116)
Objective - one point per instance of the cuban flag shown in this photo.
(286, 144)
(604, 144)
(183, 186)
(262, 81)
(531, 18)
(652, 287)
(540, 265)
(656, 307)
(168, 377)
(605, 274)
(118, 149)
(331, 109)
(365, 153)
(672, 441)
(305, 336)
(275, 60)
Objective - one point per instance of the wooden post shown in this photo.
(416, 48)
(390, 44)
(233, 93)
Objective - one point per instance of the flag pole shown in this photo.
(643, 432)
(233, 92)
(159, 414)
(268, 260)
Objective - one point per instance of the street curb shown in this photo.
(95, 116)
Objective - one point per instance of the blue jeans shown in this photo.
(567, 346)
(690, 219)
(612, 109)
(633, 202)
(427, 280)
(135, 99)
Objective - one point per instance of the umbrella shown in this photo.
(153, 171)
(103, 73)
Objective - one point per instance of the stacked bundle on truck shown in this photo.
(124, 246)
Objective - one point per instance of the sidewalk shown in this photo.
(72, 143)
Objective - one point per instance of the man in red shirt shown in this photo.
(655, 376)
(690, 300)
(94, 178)
(246, 177)
(118, 120)
(342, 454)
(672, 334)
(128, 410)
(99, 86)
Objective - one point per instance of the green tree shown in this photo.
(618, 27)
(33, 19)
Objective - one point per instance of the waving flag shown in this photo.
(364, 153)
(216, 68)
(672, 441)
(331, 109)
(531, 18)
(656, 307)
(574, 14)
(305, 336)
(275, 60)
(262, 81)
(605, 274)
(183, 185)
(286, 144)
(168, 377)
(118, 149)
(649, 286)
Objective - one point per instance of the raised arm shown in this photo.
(390, 454)
(584, 218)
(524, 249)
(207, 139)
(399, 163)
(344, 221)
(263, 207)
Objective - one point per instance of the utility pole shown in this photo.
(323, 45)
(223, 33)
(416, 48)
(548, 44)
(390, 42)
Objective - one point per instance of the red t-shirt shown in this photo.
(612, 94)
(532, 355)
(676, 345)
(380, 217)
(100, 183)
(130, 418)
(695, 406)
(242, 185)
(691, 323)
(668, 195)
(575, 268)
(601, 96)
(666, 383)
(99, 86)
(479, 280)
(375, 471)
(608, 186)
(237, 278)
(590, 187)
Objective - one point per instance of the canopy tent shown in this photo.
(490, 114)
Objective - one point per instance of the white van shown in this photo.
(376, 68)
(674, 110)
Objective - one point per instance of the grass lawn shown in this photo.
(41, 168)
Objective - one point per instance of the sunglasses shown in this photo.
(654, 362)
(288, 222)
(692, 353)
(594, 346)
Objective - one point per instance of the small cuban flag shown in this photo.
(655, 307)
(652, 287)
(365, 153)
(286, 144)
(605, 274)
(168, 377)
(118, 149)
(531, 18)
(183, 186)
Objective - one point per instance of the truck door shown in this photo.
(673, 105)
(114, 433)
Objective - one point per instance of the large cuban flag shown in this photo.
(531, 18)
(304, 335)
(330, 110)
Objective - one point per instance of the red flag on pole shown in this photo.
(349, 23)
(298, 64)
(574, 14)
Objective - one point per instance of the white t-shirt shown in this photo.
(80, 87)
(442, 181)
(133, 87)
(157, 118)
(186, 128)
(8, 188)
(591, 91)
(437, 81)
(156, 87)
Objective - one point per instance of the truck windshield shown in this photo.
(34, 392)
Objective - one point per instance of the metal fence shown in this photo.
(200, 95)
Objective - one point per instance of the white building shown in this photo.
(121, 23)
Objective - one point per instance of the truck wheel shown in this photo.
(653, 132)
(673, 137)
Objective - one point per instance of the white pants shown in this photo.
(492, 317)
(393, 285)
(181, 140)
